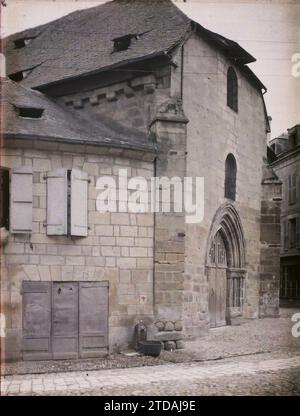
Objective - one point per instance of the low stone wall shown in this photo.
(170, 334)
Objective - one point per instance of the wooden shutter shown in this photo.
(285, 234)
(290, 189)
(57, 202)
(21, 200)
(298, 232)
(79, 201)
(294, 188)
(93, 319)
(36, 343)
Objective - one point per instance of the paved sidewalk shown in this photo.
(172, 374)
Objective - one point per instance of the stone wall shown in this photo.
(270, 245)
(131, 102)
(214, 131)
(169, 127)
(118, 249)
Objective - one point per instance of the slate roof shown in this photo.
(81, 43)
(61, 124)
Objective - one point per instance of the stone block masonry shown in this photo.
(118, 248)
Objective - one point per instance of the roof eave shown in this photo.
(233, 48)
(117, 65)
(151, 148)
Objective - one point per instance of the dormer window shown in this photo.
(22, 42)
(123, 43)
(19, 76)
(30, 112)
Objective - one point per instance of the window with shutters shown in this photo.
(4, 198)
(292, 232)
(285, 235)
(232, 89)
(298, 232)
(230, 177)
(67, 196)
(21, 200)
(292, 188)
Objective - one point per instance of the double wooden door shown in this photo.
(64, 320)
(217, 282)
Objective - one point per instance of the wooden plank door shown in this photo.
(36, 343)
(217, 283)
(212, 297)
(220, 297)
(65, 320)
(93, 319)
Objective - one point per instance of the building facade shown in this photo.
(287, 167)
(155, 95)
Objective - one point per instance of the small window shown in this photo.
(22, 42)
(232, 89)
(122, 43)
(4, 198)
(19, 76)
(30, 112)
(230, 177)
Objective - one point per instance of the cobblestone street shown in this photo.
(264, 376)
(257, 358)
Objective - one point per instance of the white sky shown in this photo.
(268, 29)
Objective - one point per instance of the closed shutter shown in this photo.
(36, 343)
(290, 197)
(285, 234)
(21, 200)
(79, 200)
(93, 319)
(57, 215)
(294, 188)
(298, 232)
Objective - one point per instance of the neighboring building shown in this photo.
(134, 85)
(287, 167)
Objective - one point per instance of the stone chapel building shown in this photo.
(136, 85)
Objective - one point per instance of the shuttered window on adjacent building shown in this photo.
(21, 200)
(292, 232)
(67, 195)
(285, 234)
(292, 188)
(298, 232)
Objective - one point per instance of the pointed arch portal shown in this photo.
(225, 265)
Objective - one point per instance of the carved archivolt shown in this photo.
(227, 222)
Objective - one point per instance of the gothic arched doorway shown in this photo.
(217, 282)
(225, 266)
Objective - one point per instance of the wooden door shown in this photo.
(65, 320)
(36, 343)
(93, 319)
(217, 283)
